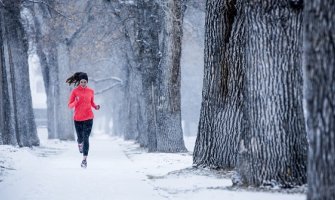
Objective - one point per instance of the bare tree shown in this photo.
(319, 68)
(16, 114)
(53, 53)
(154, 32)
(169, 132)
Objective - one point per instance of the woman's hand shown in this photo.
(98, 107)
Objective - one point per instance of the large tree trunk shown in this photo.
(274, 145)
(169, 132)
(319, 71)
(220, 116)
(18, 119)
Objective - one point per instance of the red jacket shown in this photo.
(82, 107)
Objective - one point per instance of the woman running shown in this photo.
(82, 100)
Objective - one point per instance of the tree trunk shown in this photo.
(146, 54)
(54, 59)
(273, 149)
(134, 115)
(7, 118)
(158, 127)
(319, 91)
(220, 116)
(49, 72)
(133, 104)
(64, 118)
(17, 111)
(169, 134)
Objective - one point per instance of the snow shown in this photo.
(117, 169)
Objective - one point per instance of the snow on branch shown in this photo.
(106, 79)
(109, 88)
(49, 6)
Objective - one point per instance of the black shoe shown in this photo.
(84, 164)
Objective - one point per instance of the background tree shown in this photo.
(66, 33)
(192, 62)
(169, 133)
(53, 51)
(17, 123)
(154, 68)
(319, 68)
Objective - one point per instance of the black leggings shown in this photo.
(83, 129)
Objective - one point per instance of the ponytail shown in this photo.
(76, 77)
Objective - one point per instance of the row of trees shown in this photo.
(152, 92)
(148, 105)
(252, 116)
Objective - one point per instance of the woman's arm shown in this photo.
(97, 107)
(73, 100)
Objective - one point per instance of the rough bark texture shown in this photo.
(220, 117)
(169, 132)
(273, 145)
(17, 118)
(319, 91)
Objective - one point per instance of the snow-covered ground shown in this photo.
(117, 169)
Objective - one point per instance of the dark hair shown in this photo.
(76, 77)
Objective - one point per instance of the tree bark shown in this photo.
(169, 132)
(220, 116)
(17, 104)
(273, 147)
(319, 91)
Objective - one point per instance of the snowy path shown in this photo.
(60, 176)
(116, 170)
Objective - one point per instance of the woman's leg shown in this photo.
(79, 130)
(87, 127)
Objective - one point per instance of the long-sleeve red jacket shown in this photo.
(82, 106)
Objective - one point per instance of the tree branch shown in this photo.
(50, 6)
(109, 88)
(106, 79)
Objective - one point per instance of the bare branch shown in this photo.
(50, 6)
(109, 88)
(106, 79)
